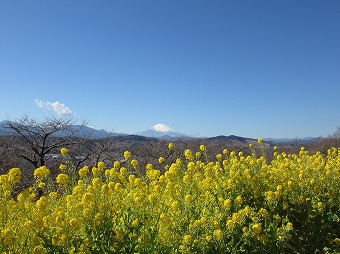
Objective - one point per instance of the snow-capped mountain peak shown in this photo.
(161, 128)
(161, 131)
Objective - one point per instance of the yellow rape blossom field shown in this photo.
(232, 204)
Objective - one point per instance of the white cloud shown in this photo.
(56, 106)
(39, 103)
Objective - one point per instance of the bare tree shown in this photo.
(36, 139)
(336, 134)
(92, 151)
(5, 155)
(103, 150)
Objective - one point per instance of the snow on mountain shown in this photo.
(161, 128)
(161, 131)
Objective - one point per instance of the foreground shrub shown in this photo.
(234, 204)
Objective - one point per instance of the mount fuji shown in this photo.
(161, 131)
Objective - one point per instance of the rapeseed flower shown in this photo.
(203, 148)
(39, 250)
(116, 164)
(171, 146)
(101, 165)
(14, 176)
(289, 226)
(87, 213)
(161, 160)
(62, 179)
(208, 238)
(219, 157)
(62, 167)
(135, 223)
(88, 198)
(188, 198)
(191, 205)
(238, 200)
(96, 182)
(134, 164)
(64, 151)
(105, 189)
(218, 234)
(230, 224)
(98, 218)
(257, 228)
(41, 172)
(320, 207)
(187, 239)
(83, 171)
(245, 230)
(123, 171)
(227, 203)
(74, 223)
(42, 203)
(127, 155)
(188, 155)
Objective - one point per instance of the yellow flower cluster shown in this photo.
(41, 173)
(62, 179)
(235, 204)
(64, 151)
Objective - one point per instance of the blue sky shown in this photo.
(205, 68)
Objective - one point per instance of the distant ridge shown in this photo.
(306, 140)
(82, 131)
(161, 131)
(231, 137)
(232, 140)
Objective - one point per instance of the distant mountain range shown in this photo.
(80, 130)
(85, 131)
(306, 140)
(158, 131)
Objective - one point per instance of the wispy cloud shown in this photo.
(56, 106)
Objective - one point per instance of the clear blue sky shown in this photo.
(249, 68)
